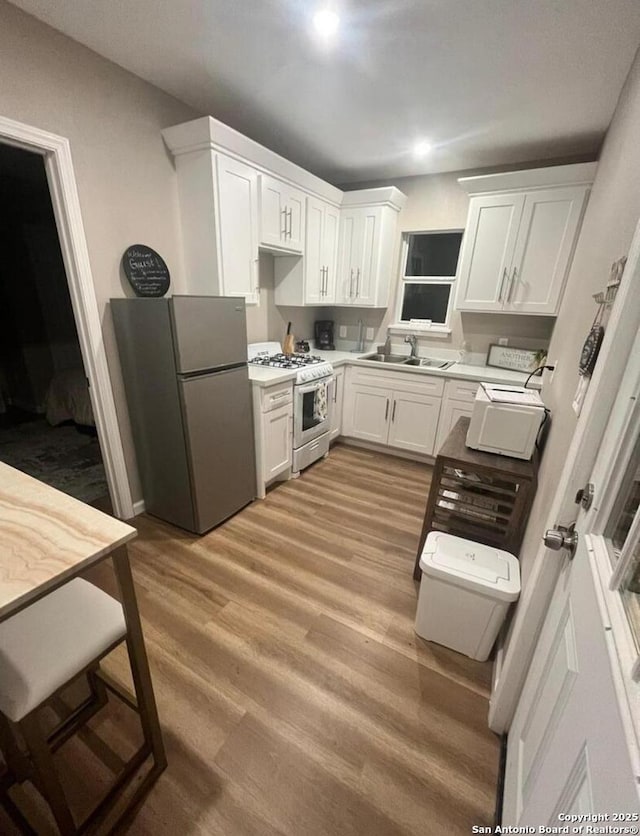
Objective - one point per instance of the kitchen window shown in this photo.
(429, 265)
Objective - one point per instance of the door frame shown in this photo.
(513, 661)
(56, 152)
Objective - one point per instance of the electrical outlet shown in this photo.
(343, 332)
(503, 340)
(370, 333)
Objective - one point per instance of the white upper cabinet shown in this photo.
(487, 253)
(548, 231)
(237, 229)
(282, 216)
(311, 280)
(368, 236)
(519, 243)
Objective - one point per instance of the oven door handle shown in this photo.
(305, 388)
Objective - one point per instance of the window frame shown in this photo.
(439, 328)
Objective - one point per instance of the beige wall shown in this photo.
(610, 221)
(125, 176)
(437, 202)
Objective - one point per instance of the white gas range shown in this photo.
(312, 399)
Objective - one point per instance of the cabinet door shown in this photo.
(237, 228)
(314, 253)
(548, 231)
(368, 242)
(449, 414)
(330, 228)
(367, 413)
(414, 422)
(295, 221)
(349, 253)
(277, 427)
(487, 251)
(272, 211)
(336, 415)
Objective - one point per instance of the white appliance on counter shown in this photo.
(506, 420)
(312, 399)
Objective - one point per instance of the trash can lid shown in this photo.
(474, 566)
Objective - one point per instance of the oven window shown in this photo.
(310, 417)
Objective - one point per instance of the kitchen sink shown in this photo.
(386, 358)
(403, 360)
(425, 361)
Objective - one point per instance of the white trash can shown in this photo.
(465, 593)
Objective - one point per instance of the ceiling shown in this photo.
(487, 82)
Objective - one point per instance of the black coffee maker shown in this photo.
(324, 334)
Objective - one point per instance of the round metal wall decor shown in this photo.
(145, 270)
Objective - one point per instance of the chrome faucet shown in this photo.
(413, 342)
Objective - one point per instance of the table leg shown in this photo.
(138, 660)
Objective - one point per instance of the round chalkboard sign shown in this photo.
(146, 271)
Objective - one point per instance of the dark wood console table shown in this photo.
(480, 496)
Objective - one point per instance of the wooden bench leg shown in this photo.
(46, 774)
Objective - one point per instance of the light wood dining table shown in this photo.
(47, 538)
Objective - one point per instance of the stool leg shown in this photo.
(46, 773)
(138, 660)
(16, 760)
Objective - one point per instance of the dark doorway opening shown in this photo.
(47, 427)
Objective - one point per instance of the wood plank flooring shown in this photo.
(294, 695)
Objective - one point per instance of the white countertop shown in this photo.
(263, 376)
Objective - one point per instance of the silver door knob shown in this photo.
(562, 538)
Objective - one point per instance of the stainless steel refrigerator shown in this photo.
(184, 364)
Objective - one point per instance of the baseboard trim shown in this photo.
(387, 451)
(138, 507)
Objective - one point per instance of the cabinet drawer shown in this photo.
(276, 396)
(461, 390)
(419, 384)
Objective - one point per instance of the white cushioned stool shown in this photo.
(44, 648)
(48, 644)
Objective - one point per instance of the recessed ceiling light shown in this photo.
(422, 148)
(326, 22)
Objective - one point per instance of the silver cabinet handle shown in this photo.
(393, 413)
(322, 281)
(326, 281)
(504, 276)
(386, 412)
(511, 284)
(351, 285)
(357, 282)
(283, 232)
(290, 222)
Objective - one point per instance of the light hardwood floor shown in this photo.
(294, 695)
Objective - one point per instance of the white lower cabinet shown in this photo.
(396, 410)
(414, 422)
(457, 402)
(273, 429)
(338, 398)
(368, 413)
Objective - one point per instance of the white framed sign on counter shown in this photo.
(515, 359)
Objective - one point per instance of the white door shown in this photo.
(414, 422)
(238, 228)
(336, 414)
(277, 433)
(348, 255)
(330, 227)
(366, 276)
(548, 230)
(574, 743)
(295, 222)
(314, 254)
(487, 251)
(367, 413)
(449, 414)
(273, 213)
